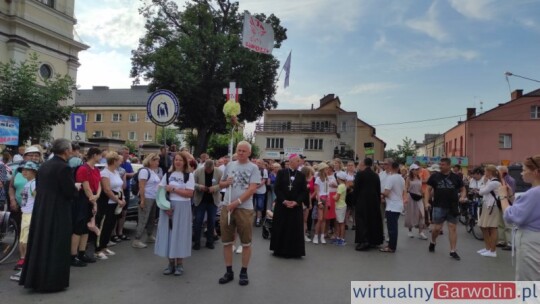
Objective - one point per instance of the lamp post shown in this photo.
(506, 74)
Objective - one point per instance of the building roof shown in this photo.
(136, 96)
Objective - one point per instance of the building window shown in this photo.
(115, 134)
(505, 141)
(116, 117)
(343, 126)
(133, 117)
(47, 2)
(535, 112)
(274, 143)
(99, 117)
(313, 144)
(45, 71)
(320, 125)
(132, 135)
(280, 125)
(98, 133)
(147, 136)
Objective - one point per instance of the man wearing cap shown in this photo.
(448, 192)
(288, 222)
(367, 201)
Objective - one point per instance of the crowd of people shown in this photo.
(308, 202)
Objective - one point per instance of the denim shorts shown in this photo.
(440, 215)
(258, 201)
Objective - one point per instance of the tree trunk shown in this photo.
(203, 136)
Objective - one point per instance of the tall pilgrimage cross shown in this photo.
(232, 92)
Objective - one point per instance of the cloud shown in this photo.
(110, 68)
(474, 9)
(381, 43)
(373, 87)
(434, 56)
(429, 25)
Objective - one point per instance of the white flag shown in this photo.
(287, 68)
(257, 36)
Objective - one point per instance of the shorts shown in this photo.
(241, 223)
(25, 227)
(440, 215)
(258, 201)
(340, 214)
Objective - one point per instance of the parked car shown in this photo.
(133, 200)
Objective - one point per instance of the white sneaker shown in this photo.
(489, 254)
(306, 238)
(482, 251)
(151, 239)
(100, 256)
(107, 251)
(422, 236)
(138, 244)
(16, 277)
(239, 250)
(315, 240)
(111, 243)
(323, 241)
(410, 234)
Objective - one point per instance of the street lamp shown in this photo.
(506, 74)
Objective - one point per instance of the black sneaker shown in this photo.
(227, 277)
(75, 262)
(196, 246)
(455, 256)
(243, 281)
(87, 259)
(431, 247)
(210, 245)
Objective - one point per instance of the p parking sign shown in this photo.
(78, 122)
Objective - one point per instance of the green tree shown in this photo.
(195, 53)
(170, 136)
(36, 104)
(131, 146)
(400, 154)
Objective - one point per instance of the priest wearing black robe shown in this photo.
(367, 199)
(48, 257)
(287, 238)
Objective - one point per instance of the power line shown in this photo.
(415, 121)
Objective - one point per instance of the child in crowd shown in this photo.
(341, 208)
(28, 195)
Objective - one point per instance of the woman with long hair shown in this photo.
(308, 173)
(489, 214)
(526, 215)
(322, 195)
(414, 208)
(173, 239)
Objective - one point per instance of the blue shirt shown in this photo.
(525, 212)
(129, 169)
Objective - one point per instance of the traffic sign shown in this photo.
(78, 122)
(162, 107)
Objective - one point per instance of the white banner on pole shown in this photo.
(257, 36)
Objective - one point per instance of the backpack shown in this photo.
(135, 181)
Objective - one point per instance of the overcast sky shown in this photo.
(391, 61)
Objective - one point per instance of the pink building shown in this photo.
(508, 133)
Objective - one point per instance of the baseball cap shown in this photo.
(414, 167)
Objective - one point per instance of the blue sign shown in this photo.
(78, 122)
(9, 130)
(163, 107)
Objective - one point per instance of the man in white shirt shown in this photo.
(394, 190)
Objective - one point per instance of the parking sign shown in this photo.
(78, 122)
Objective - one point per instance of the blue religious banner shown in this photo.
(426, 160)
(9, 130)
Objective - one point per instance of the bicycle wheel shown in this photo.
(477, 232)
(464, 217)
(9, 239)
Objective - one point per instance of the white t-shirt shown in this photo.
(222, 168)
(396, 184)
(177, 181)
(262, 188)
(115, 181)
(323, 186)
(17, 158)
(476, 184)
(151, 186)
(382, 178)
(350, 176)
(27, 204)
(244, 175)
(332, 183)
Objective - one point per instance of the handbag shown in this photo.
(416, 197)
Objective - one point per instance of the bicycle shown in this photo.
(9, 236)
(468, 216)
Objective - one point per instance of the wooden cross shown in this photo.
(232, 91)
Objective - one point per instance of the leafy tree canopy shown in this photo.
(36, 104)
(195, 52)
(400, 154)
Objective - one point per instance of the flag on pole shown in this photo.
(257, 36)
(287, 68)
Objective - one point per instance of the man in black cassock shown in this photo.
(287, 238)
(367, 198)
(48, 257)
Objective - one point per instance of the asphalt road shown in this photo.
(323, 276)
